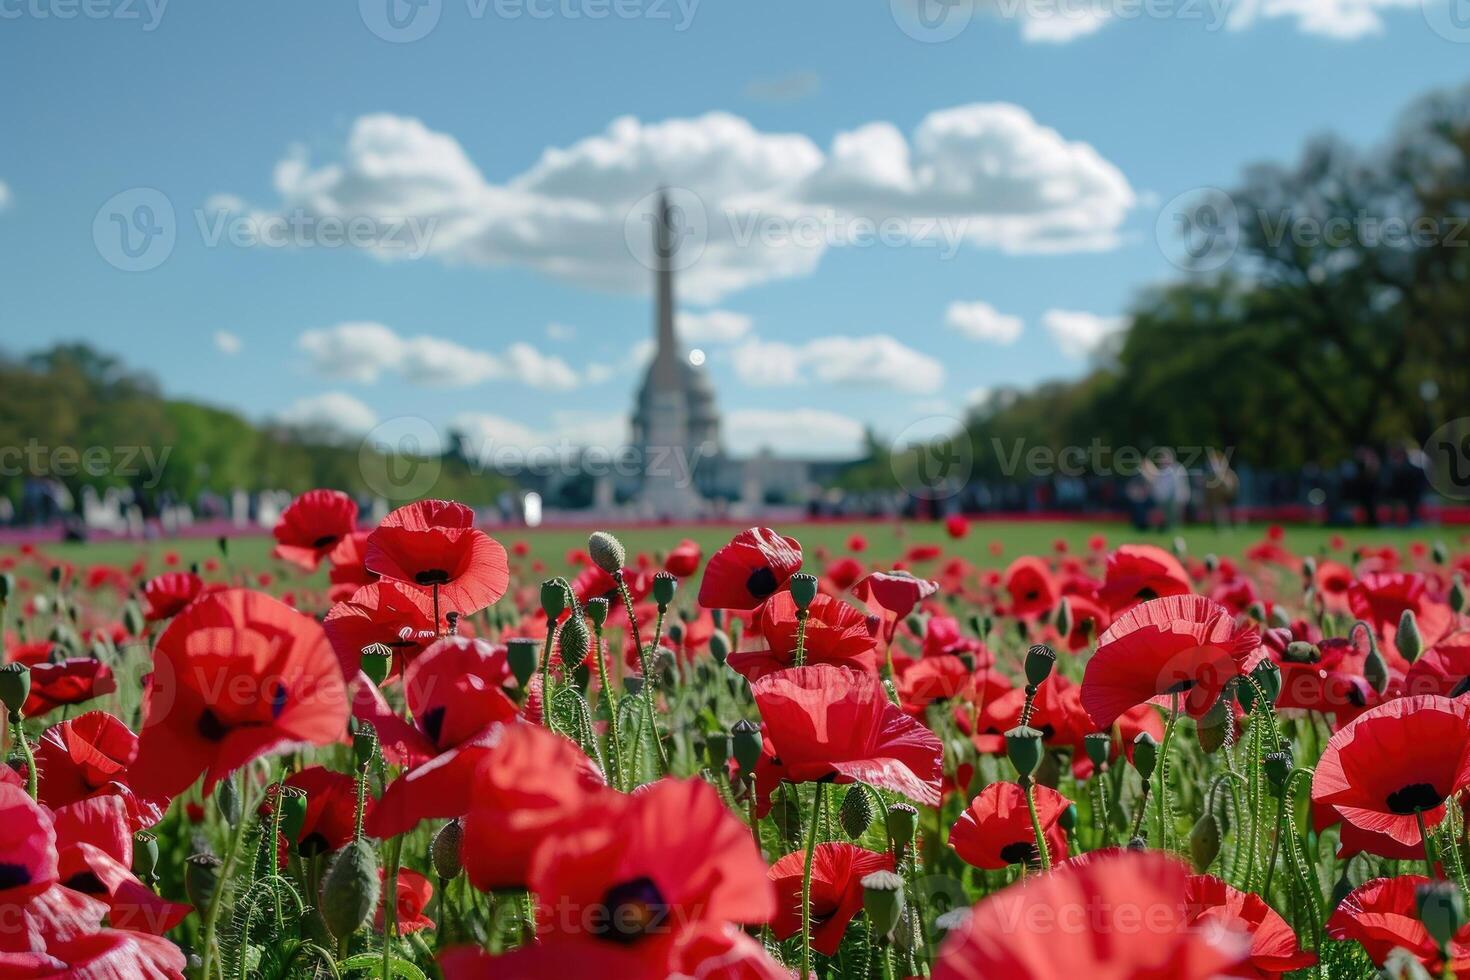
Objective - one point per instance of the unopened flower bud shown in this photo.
(145, 856)
(903, 824)
(1064, 617)
(377, 662)
(1023, 747)
(1277, 766)
(292, 801)
(1408, 639)
(1215, 726)
(745, 743)
(133, 620)
(1257, 611)
(883, 900)
(607, 552)
(1278, 618)
(717, 752)
(445, 850)
(201, 878)
(349, 891)
(916, 624)
(1441, 909)
(1457, 595)
(1068, 820)
(664, 587)
(1309, 568)
(227, 798)
(521, 654)
(856, 812)
(1040, 660)
(1212, 562)
(1099, 746)
(1204, 842)
(1439, 553)
(7, 586)
(803, 589)
(553, 598)
(573, 641)
(364, 746)
(451, 622)
(1302, 652)
(1145, 754)
(1268, 678)
(719, 646)
(15, 687)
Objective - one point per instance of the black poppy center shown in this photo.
(85, 882)
(634, 909)
(432, 722)
(1461, 688)
(210, 726)
(313, 844)
(13, 876)
(762, 582)
(1414, 797)
(1145, 594)
(326, 540)
(1021, 852)
(1179, 687)
(431, 576)
(1033, 595)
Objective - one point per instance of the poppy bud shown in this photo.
(856, 812)
(1040, 660)
(15, 687)
(1204, 842)
(882, 900)
(664, 587)
(1211, 562)
(1145, 754)
(1137, 844)
(364, 746)
(553, 598)
(1256, 611)
(607, 552)
(451, 622)
(1375, 668)
(803, 589)
(145, 856)
(916, 624)
(1309, 568)
(1268, 678)
(133, 620)
(1441, 909)
(903, 824)
(377, 662)
(522, 655)
(597, 611)
(55, 573)
(349, 891)
(1457, 595)
(676, 633)
(223, 544)
(445, 850)
(1068, 820)
(227, 798)
(292, 801)
(1302, 652)
(717, 752)
(573, 640)
(201, 878)
(1408, 640)
(1064, 617)
(1023, 747)
(719, 646)
(1214, 727)
(1439, 553)
(1099, 746)
(1279, 618)
(978, 626)
(1278, 767)
(745, 741)
(7, 586)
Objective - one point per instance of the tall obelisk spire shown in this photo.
(665, 374)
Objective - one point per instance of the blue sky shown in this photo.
(1053, 143)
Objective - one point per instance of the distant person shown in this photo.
(1408, 480)
(1221, 488)
(1168, 485)
(1362, 480)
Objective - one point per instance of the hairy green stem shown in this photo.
(806, 883)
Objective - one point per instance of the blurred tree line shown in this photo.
(58, 403)
(1325, 306)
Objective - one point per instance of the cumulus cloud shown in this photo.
(752, 206)
(981, 321)
(713, 327)
(4, 195)
(363, 352)
(332, 413)
(804, 432)
(877, 361)
(227, 343)
(496, 439)
(1078, 334)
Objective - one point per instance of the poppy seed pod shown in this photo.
(1302, 652)
(377, 662)
(15, 687)
(1457, 595)
(856, 812)
(56, 573)
(1214, 727)
(1204, 842)
(364, 745)
(1068, 820)
(1099, 746)
(717, 752)
(745, 741)
(903, 823)
(917, 624)
(133, 620)
(445, 850)
(664, 587)
(882, 900)
(1268, 678)
(1145, 754)
(803, 589)
(1277, 766)
(719, 646)
(145, 856)
(521, 654)
(201, 878)
(1040, 660)
(1279, 618)
(1408, 640)
(227, 798)
(607, 552)
(1441, 909)
(1212, 562)
(1064, 617)
(1309, 568)
(597, 611)
(553, 598)
(349, 890)
(573, 641)
(7, 586)
(1023, 748)
(978, 626)
(292, 801)
(1439, 553)
(1256, 611)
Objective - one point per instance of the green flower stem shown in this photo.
(216, 902)
(547, 715)
(645, 667)
(390, 902)
(615, 743)
(1429, 857)
(1162, 796)
(17, 726)
(1099, 809)
(1041, 849)
(802, 615)
(1253, 796)
(1141, 811)
(806, 883)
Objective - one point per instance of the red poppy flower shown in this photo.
(654, 864)
(456, 691)
(827, 722)
(706, 952)
(39, 911)
(942, 637)
(1442, 669)
(1383, 913)
(935, 678)
(843, 572)
(1031, 586)
(435, 545)
(89, 756)
(1140, 572)
(857, 544)
(1117, 916)
(398, 616)
(168, 594)
(331, 809)
(531, 785)
(836, 633)
(1274, 947)
(683, 559)
(1382, 597)
(956, 526)
(1401, 757)
(235, 676)
(836, 891)
(414, 895)
(94, 856)
(749, 570)
(68, 682)
(106, 953)
(349, 571)
(312, 526)
(995, 830)
(891, 596)
(1181, 644)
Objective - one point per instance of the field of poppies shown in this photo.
(412, 750)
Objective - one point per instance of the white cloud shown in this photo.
(364, 351)
(496, 439)
(4, 195)
(1078, 334)
(877, 361)
(227, 343)
(560, 331)
(333, 413)
(983, 175)
(805, 432)
(981, 321)
(713, 327)
(977, 396)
